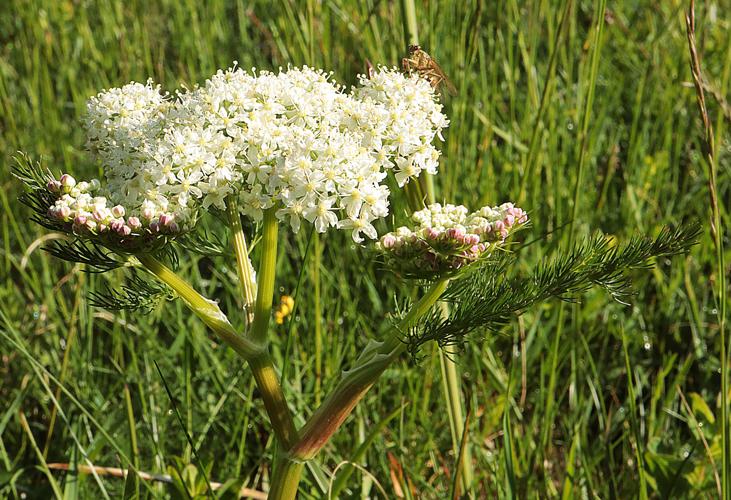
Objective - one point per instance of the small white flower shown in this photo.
(359, 225)
(321, 215)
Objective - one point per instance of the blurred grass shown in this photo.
(610, 419)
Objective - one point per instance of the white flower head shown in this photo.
(293, 140)
(407, 118)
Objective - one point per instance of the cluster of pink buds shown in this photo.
(79, 210)
(497, 222)
(446, 237)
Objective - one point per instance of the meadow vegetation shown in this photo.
(585, 117)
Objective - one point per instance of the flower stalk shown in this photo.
(267, 271)
(356, 382)
(262, 365)
(247, 285)
(207, 310)
(256, 354)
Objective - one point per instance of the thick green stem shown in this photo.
(262, 365)
(207, 310)
(265, 278)
(243, 263)
(286, 479)
(356, 382)
(275, 403)
(453, 392)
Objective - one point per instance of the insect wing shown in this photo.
(443, 79)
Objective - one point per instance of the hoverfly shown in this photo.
(427, 68)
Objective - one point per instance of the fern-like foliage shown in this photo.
(97, 258)
(205, 243)
(166, 253)
(137, 294)
(488, 295)
(36, 195)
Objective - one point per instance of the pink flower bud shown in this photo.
(80, 220)
(116, 225)
(54, 186)
(518, 213)
(154, 227)
(166, 219)
(98, 216)
(148, 213)
(388, 241)
(134, 223)
(64, 212)
(124, 230)
(455, 233)
(67, 182)
(471, 239)
(118, 211)
(431, 233)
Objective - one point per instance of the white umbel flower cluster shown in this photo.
(448, 237)
(408, 121)
(293, 140)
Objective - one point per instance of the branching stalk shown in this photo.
(207, 310)
(356, 382)
(262, 366)
(254, 352)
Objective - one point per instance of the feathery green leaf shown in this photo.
(488, 296)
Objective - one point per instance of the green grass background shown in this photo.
(612, 427)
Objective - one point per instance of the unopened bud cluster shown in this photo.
(80, 209)
(448, 237)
